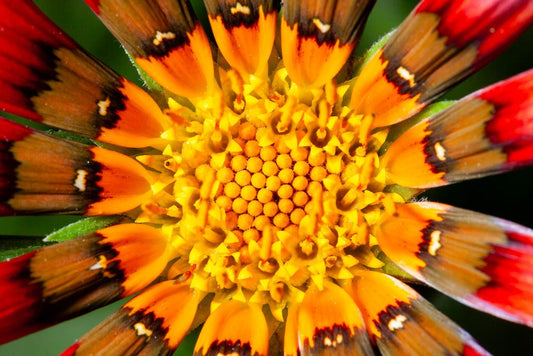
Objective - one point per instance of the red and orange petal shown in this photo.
(234, 327)
(327, 321)
(376, 95)
(166, 40)
(401, 322)
(244, 33)
(486, 133)
(317, 40)
(46, 77)
(481, 261)
(432, 51)
(186, 70)
(58, 282)
(154, 322)
(493, 24)
(44, 174)
(308, 62)
(124, 184)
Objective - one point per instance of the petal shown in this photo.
(165, 39)
(244, 31)
(234, 328)
(46, 77)
(439, 44)
(401, 322)
(488, 132)
(326, 322)
(44, 174)
(153, 323)
(317, 38)
(482, 261)
(62, 281)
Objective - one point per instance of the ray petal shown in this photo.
(234, 328)
(58, 282)
(402, 322)
(165, 39)
(488, 132)
(438, 45)
(317, 37)
(481, 261)
(45, 76)
(43, 174)
(327, 322)
(152, 323)
(244, 31)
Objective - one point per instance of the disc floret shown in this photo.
(273, 186)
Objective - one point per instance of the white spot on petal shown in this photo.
(240, 8)
(81, 180)
(101, 264)
(440, 151)
(322, 27)
(161, 36)
(141, 330)
(397, 322)
(434, 243)
(405, 74)
(103, 105)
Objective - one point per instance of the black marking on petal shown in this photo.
(392, 319)
(55, 303)
(170, 33)
(404, 80)
(435, 153)
(91, 171)
(148, 325)
(139, 333)
(164, 42)
(339, 20)
(241, 12)
(334, 337)
(432, 240)
(229, 347)
(44, 72)
(8, 177)
(107, 107)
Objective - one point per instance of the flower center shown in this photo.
(272, 186)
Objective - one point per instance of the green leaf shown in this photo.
(11, 247)
(392, 269)
(82, 227)
(148, 81)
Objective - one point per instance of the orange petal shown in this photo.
(245, 32)
(481, 261)
(316, 40)
(439, 44)
(48, 78)
(62, 281)
(165, 39)
(488, 132)
(234, 327)
(401, 322)
(327, 321)
(44, 174)
(153, 323)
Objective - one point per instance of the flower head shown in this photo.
(264, 186)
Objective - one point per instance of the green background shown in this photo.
(507, 196)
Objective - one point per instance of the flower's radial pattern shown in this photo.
(57, 80)
(485, 133)
(260, 192)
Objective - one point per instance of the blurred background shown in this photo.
(508, 196)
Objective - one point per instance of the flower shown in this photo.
(273, 201)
